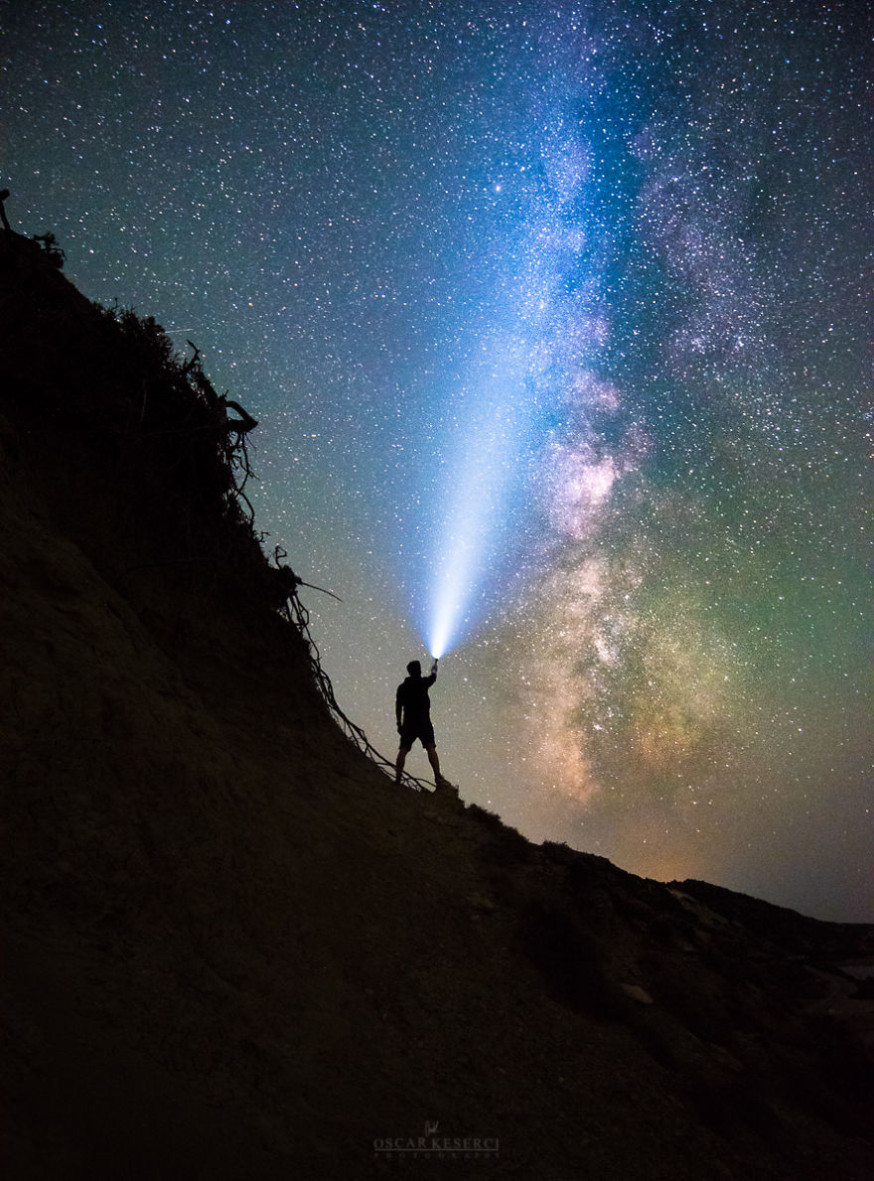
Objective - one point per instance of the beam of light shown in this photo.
(481, 522)
(483, 469)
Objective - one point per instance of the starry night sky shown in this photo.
(574, 294)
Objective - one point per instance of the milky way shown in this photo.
(576, 292)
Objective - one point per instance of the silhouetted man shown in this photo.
(413, 713)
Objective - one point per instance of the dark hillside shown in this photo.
(234, 949)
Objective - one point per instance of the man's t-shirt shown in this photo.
(412, 697)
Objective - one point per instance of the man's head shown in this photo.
(414, 668)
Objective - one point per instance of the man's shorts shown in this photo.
(424, 731)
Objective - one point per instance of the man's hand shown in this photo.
(433, 668)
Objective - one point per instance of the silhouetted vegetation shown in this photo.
(109, 383)
(50, 249)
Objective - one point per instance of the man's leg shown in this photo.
(399, 765)
(435, 764)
